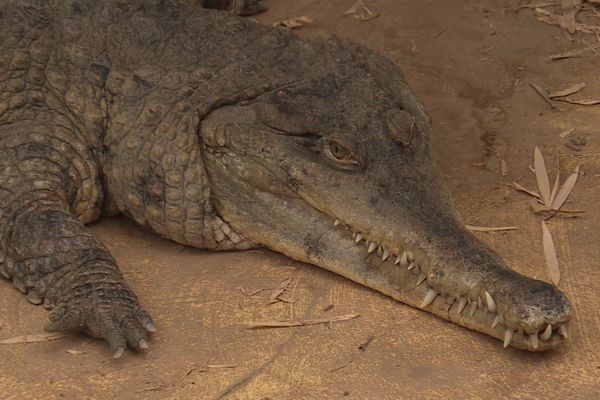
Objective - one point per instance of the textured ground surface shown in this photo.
(471, 64)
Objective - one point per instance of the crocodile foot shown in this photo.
(107, 310)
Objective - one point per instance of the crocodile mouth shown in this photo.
(412, 280)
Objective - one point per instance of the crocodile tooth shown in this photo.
(411, 266)
(398, 259)
(421, 279)
(359, 237)
(337, 222)
(547, 333)
(385, 255)
(372, 247)
(450, 302)
(479, 303)
(461, 304)
(409, 256)
(562, 330)
(490, 302)
(497, 320)
(404, 259)
(429, 297)
(508, 335)
(473, 307)
(534, 340)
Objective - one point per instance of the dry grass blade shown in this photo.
(581, 102)
(520, 188)
(567, 91)
(565, 190)
(566, 133)
(152, 389)
(42, 337)
(550, 255)
(550, 18)
(573, 53)
(361, 11)
(570, 10)
(306, 322)
(538, 5)
(357, 6)
(568, 54)
(75, 352)
(294, 23)
(556, 181)
(475, 228)
(541, 175)
(503, 168)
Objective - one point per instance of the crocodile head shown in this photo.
(334, 170)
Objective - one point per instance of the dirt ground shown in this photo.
(471, 63)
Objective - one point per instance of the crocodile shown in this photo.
(219, 132)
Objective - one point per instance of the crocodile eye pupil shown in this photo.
(337, 150)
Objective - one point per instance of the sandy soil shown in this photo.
(471, 63)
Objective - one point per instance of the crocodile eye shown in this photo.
(340, 153)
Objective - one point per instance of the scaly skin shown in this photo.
(221, 133)
(239, 7)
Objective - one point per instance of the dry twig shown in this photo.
(361, 11)
(475, 228)
(37, 338)
(274, 298)
(294, 23)
(544, 96)
(306, 322)
(520, 188)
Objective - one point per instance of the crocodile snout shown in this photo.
(470, 286)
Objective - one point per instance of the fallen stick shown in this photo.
(520, 188)
(38, 338)
(544, 96)
(490, 228)
(306, 322)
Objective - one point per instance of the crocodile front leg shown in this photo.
(49, 188)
